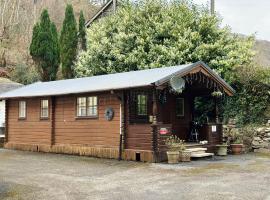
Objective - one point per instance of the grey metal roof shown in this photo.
(116, 81)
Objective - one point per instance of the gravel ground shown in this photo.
(27, 176)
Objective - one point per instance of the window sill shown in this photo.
(22, 118)
(86, 117)
(44, 118)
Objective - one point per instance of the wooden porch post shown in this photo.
(216, 110)
(154, 126)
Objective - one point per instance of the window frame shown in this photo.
(138, 104)
(87, 99)
(41, 109)
(19, 110)
(183, 107)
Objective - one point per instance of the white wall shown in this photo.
(2, 113)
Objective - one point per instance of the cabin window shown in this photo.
(141, 105)
(87, 106)
(180, 108)
(22, 109)
(44, 108)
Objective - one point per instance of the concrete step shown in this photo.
(197, 149)
(201, 155)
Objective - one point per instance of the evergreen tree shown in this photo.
(56, 50)
(82, 32)
(68, 43)
(43, 48)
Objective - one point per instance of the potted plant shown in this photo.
(184, 154)
(237, 146)
(174, 145)
(222, 149)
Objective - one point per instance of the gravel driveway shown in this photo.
(27, 176)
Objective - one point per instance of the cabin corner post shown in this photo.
(154, 127)
(6, 120)
(52, 121)
(122, 125)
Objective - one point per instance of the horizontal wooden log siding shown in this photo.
(31, 130)
(68, 129)
(139, 137)
(91, 132)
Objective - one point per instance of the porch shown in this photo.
(153, 114)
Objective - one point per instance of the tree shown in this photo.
(68, 43)
(56, 50)
(43, 48)
(82, 33)
(150, 34)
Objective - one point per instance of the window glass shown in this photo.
(92, 106)
(44, 108)
(141, 105)
(22, 109)
(87, 106)
(81, 106)
(180, 107)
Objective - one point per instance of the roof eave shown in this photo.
(189, 68)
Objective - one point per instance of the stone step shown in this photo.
(197, 149)
(201, 155)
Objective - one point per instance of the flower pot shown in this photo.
(237, 148)
(173, 157)
(185, 156)
(222, 149)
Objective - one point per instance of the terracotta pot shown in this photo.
(222, 149)
(185, 156)
(237, 148)
(173, 157)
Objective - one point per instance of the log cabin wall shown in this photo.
(63, 127)
(32, 129)
(86, 131)
(167, 114)
(138, 134)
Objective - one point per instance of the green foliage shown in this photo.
(151, 34)
(252, 96)
(24, 74)
(44, 47)
(56, 52)
(82, 32)
(68, 43)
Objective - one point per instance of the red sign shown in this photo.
(163, 131)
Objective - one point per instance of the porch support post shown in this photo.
(154, 126)
(216, 110)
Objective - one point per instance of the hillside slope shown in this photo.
(263, 55)
(17, 18)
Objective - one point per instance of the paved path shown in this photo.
(27, 176)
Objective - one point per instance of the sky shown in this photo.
(244, 16)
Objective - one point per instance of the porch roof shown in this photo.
(117, 81)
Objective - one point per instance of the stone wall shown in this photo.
(261, 140)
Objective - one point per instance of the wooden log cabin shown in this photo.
(123, 116)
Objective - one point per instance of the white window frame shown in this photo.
(88, 107)
(44, 107)
(22, 109)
